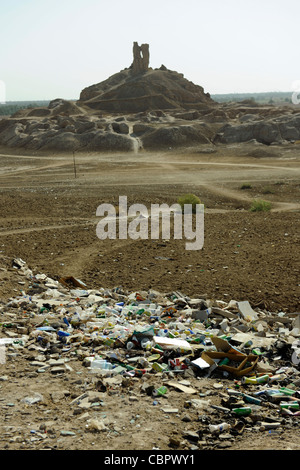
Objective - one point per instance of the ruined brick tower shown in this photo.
(140, 58)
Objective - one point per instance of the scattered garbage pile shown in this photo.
(119, 336)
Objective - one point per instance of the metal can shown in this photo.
(255, 380)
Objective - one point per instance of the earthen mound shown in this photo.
(141, 108)
(127, 92)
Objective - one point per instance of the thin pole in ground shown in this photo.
(74, 164)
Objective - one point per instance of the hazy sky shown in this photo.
(55, 48)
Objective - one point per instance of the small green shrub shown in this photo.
(259, 205)
(189, 199)
(268, 190)
(246, 186)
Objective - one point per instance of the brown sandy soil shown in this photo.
(48, 218)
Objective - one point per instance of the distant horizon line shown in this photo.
(211, 94)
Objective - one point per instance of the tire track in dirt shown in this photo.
(42, 228)
(277, 206)
(12, 173)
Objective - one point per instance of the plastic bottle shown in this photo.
(219, 427)
(287, 391)
(236, 393)
(273, 431)
(256, 351)
(224, 362)
(250, 399)
(270, 392)
(294, 405)
(273, 425)
(160, 391)
(163, 332)
(146, 343)
(101, 364)
(62, 333)
(277, 378)
(246, 344)
(75, 320)
(243, 411)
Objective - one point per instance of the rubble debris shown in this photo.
(251, 369)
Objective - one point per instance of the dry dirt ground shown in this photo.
(48, 218)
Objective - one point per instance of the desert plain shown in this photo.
(48, 218)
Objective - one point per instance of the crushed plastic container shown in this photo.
(219, 427)
(101, 364)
